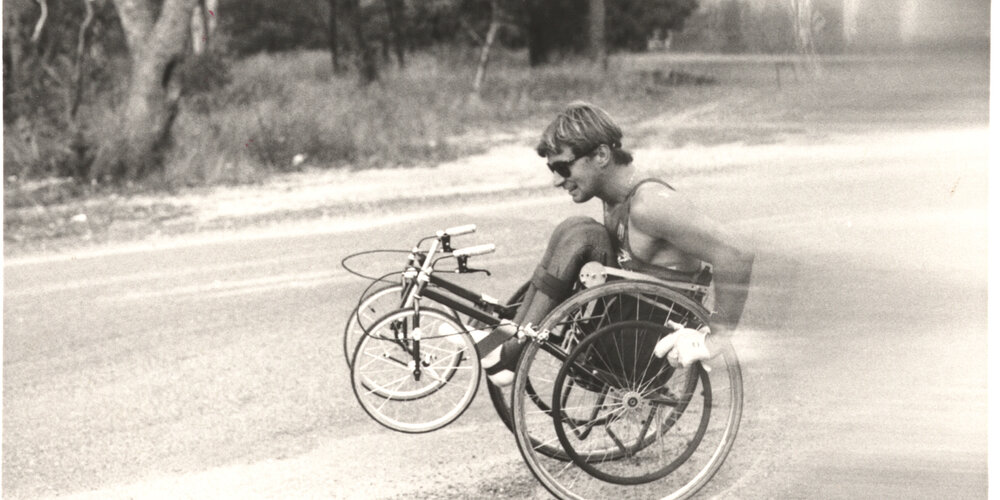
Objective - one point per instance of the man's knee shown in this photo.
(576, 241)
(580, 229)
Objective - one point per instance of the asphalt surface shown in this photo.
(213, 368)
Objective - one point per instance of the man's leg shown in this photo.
(576, 241)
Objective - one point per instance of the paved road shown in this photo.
(215, 369)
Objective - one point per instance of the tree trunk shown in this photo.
(12, 49)
(539, 42)
(42, 16)
(211, 20)
(135, 148)
(804, 22)
(484, 56)
(203, 22)
(367, 64)
(81, 46)
(598, 43)
(333, 40)
(397, 19)
(850, 9)
(732, 26)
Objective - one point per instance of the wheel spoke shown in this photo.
(399, 383)
(389, 389)
(660, 429)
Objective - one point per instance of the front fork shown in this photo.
(417, 334)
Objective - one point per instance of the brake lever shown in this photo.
(473, 270)
(463, 267)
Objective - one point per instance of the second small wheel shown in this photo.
(413, 382)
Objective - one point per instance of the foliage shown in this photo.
(761, 26)
(203, 74)
(631, 23)
(768, 28)
(42, 138)
(298, 24)
(278, 107)
(40, 135)
(253, 26)
(559, 26)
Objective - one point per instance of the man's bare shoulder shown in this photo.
(654, 202)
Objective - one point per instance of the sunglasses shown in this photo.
(561, 167)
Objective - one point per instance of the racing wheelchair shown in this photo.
(594, 413)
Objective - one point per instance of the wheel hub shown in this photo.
(633, 401)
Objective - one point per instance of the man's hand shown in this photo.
(684, 347)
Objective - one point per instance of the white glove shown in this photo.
(683, 347)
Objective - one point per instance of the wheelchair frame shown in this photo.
(419, 282)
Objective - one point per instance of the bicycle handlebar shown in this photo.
(457, 230)
(476, 250)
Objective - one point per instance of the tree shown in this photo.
(484, 56)
(155, 48)
(332, 35)
(732, 26)
(598, 42)
(254, 26)
(53, 85)
(203, 23)
(367, 65)
(633, 22)
(81, 47)
(395, 10)
(806, 22)
(554, 26)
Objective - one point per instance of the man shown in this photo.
(648, 227)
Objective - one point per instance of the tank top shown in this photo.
(616, 222)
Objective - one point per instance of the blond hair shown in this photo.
(581, 127)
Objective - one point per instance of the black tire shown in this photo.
(382, 371)
(373, 306)
(587, 312)
(631, 390)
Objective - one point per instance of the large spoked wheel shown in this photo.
(618, 409)
(694, 414)
(415, 386)
(378, 303)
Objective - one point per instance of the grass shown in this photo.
(275, 107)
(291, 104)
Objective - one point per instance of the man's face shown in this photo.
(579, 182)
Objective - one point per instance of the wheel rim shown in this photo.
(628, 424)
(568, 480)
(388, 390)
(374, 306)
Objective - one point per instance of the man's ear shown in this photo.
(603, 155)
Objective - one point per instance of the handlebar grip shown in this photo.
(476, 250)
(457, 230)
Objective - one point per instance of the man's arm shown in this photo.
(665, 214)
